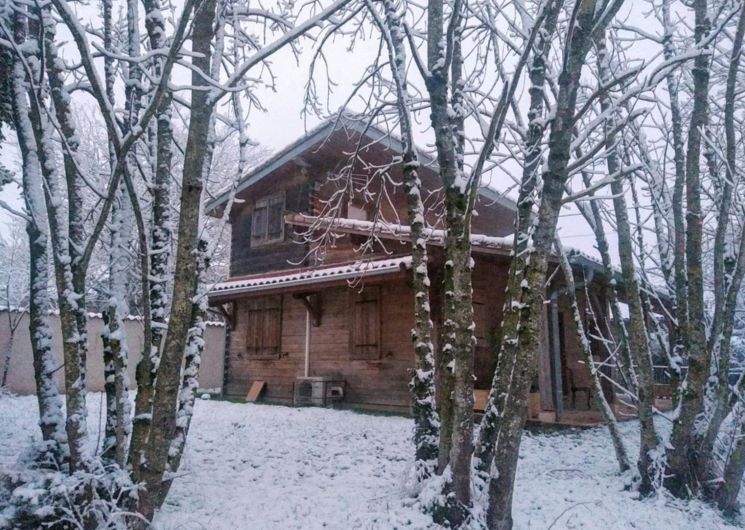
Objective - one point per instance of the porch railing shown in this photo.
(663, 374)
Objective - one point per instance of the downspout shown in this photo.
(306, 370)
(556, 379)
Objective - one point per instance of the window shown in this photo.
(267, 224)
(264, 327)
(365, 324)
(357, 211)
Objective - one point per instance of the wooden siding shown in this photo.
(380, 383)
(247, 259)
(380, 380)
(306, 186)
(489, 281)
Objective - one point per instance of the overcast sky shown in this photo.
(283, 121)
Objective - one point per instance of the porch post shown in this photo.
(556, 380)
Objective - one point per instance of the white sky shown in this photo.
(283, 121)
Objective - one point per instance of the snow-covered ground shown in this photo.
(259, 467)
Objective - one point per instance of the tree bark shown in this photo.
(422, 383)
(67, 239)
(506, 410)
(679, 222)
(729, 275)
(637, 329)
(163, 428)
(51, 420)
(155, 284)
(681, 456)
(115, 350)
(731, 483)
(456, 362)
(601, 403)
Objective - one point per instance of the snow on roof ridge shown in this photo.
(434, 235)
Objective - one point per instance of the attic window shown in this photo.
(267, 224)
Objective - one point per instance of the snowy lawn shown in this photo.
(258, 467)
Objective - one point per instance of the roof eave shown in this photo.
(393, 270)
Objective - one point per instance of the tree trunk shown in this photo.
(155, 284)
(637, 329)
(67, 241)
(422, 383)
(456, 362)
(115, 350)
(192, 361)
(681, 455)
(581, 335)
(731, 483)
(437, 85)
(506, 410)
(51, 420)
(679, 222)
(729, 284)
(163, 428)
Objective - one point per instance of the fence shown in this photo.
(20, 376)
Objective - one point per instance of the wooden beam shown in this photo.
(312, 303)
(227, 309)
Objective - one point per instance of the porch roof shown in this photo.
(309, 276)
(480, 243)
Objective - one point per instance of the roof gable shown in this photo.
(316, 137)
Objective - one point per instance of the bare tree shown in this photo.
(426, 435)
(51, 419)
(167, 379)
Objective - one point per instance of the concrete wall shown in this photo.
(20, 378)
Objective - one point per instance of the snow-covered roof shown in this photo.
(395, 231)
(321, 132)
(310, 276)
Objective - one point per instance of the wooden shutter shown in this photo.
(272, 326)
(253, 330)
(258, 224)
(264, 327)
(274, 219)
(365, 328)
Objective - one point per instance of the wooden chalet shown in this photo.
(334, 326)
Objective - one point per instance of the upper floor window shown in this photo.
(267, 224)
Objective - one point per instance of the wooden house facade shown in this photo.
(300, 313)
